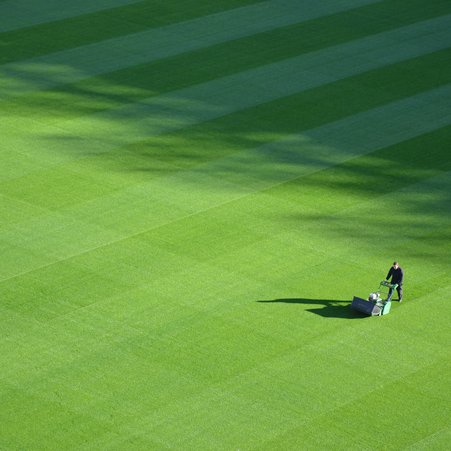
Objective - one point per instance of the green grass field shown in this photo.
(191, 193)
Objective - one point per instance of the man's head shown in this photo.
(395, 265)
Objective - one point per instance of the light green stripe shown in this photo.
(70, 66)
(167, 199)
(15, 14)
(50, 145)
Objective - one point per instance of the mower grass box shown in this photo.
(369, 307)
(375, 305)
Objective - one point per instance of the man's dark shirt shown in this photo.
(397, 275)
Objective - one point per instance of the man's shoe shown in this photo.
(400, 300)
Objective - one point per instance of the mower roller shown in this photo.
(377, 303)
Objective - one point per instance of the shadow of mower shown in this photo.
(328, 308)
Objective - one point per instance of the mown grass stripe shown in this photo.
(296, 156)
(94, 27)
(130, 123)
(186, 148)
(16, 14)
(302, 111)
(69, 66)
(333, 143)
(104, 132)
(138, 82)
(194, 191)
(248, 88)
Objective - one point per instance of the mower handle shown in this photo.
(388, 284)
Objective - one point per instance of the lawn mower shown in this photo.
(378, 303)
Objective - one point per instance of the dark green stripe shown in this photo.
(376, 174)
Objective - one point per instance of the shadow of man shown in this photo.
(328, 308)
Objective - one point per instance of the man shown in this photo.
(397, 276)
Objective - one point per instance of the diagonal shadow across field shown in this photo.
(328, 308)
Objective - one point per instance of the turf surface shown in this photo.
(191, 193)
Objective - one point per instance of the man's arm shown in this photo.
(390, 272)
